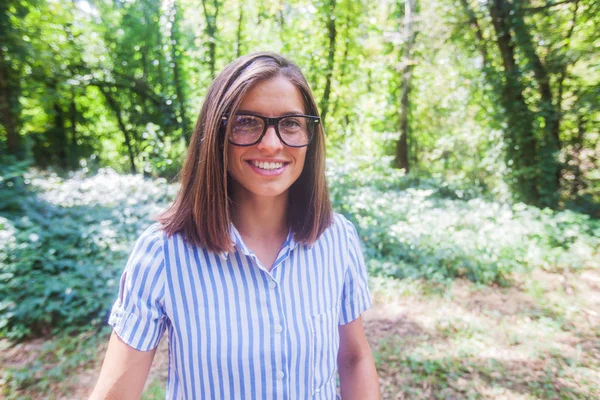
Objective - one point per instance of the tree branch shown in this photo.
(564, 69)
(548, 5)
(481, 43)
(112, 104)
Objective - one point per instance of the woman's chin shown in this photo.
(262, 191)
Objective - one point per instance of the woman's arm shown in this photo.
(123, 373)
(358, 377)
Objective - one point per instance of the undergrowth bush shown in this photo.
(61, 257)
(423, 227)
(13, 185)
(62, 254)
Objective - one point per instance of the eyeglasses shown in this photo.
(293, 130)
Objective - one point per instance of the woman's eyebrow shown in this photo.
(292, 112)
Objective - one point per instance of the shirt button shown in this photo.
(317, 390)
(278, 328)
(280, 375)
(272, 284)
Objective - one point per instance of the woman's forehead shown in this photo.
(273, 97)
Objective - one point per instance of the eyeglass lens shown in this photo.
(294, 130)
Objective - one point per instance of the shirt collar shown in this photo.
(236, 240)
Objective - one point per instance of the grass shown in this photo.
(34, 369)
(154, 391)
(487, 342)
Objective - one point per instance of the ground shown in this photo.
(537, 339)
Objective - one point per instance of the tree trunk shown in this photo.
(282, 28)
(10, 84)
(240, 27)
(331, 29)
(211, 32)
(521, 146)
(9, 106)
(407, 62)
(177, 59)
(550, 144)
(126, 134)
(60, 134)
(73, 129)
(261, 12)
(343, 65)
(57, 135)
(143, 51)
(578, 183)
(520, 143)
(212, 51)
(481, 42)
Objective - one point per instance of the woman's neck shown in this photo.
(260, 217)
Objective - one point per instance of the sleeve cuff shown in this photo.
(133, 331)
(352, 311)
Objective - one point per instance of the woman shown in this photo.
(259, 285)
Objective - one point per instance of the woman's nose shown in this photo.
(270, 140)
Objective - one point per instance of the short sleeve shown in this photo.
(137, 316)
(355, 295)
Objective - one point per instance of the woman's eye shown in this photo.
(246, 123)
(291, 123)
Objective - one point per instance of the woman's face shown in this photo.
(268, 168)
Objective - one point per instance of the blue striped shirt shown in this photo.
(236, 330)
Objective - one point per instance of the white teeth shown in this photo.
(267, 165)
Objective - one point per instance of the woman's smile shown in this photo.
(268, 167)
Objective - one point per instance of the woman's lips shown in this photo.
(268, 172)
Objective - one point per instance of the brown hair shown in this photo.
(201, 211)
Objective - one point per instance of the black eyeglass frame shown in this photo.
(275, 123)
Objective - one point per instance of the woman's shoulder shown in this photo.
(342, 226)
(340, 221)
(146, 257)
(155, 237)
(157, 232)
(152, 240)
(152, 233)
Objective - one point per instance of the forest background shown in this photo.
(463, 141)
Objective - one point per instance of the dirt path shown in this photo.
(537, 339)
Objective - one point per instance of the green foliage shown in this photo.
(120, 83)
(13, 180)
(161, 157)
(427, 228)
(61, 258)
(12, 183)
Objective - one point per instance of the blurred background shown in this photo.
(463, 140)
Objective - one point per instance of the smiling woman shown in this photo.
(259, 285)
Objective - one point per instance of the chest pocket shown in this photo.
(326, 341)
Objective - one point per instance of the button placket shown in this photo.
(278, 327)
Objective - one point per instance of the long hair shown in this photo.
(201, 210)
